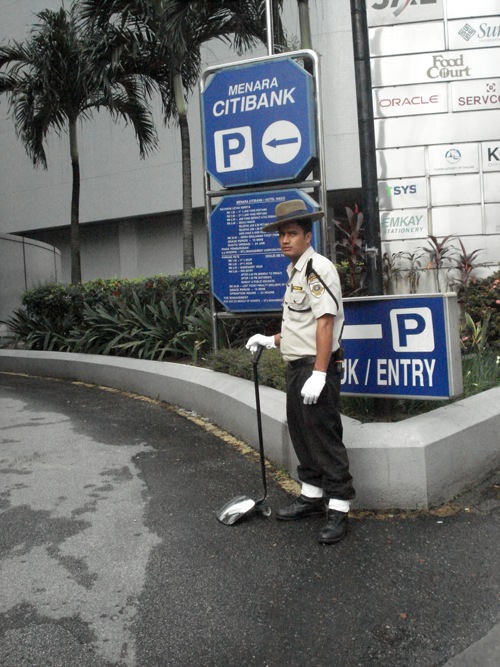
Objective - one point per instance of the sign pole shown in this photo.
(367, 147)
(269, 27)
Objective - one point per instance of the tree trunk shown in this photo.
(76, 270)
(187, 189)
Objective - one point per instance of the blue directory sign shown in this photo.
(248, 270)
(402, 346)
(259, 123)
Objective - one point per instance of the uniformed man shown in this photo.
(313, 318)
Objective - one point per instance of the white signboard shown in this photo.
(474, 33)
(436, 67)
(490, 154)
(404, 224)
(466, 8)
(387, 12)
(402, 193)
(475, 95)
(453, 159)
(410, 100)
(407, 38)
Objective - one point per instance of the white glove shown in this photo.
(313, 387)
(259, 339)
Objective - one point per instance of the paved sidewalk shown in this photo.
(111, 554)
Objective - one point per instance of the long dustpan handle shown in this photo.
(255, 360)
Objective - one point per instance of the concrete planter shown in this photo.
(414, 464)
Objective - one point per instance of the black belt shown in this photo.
(303, 361)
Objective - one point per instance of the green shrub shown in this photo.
(147, 318)
(238, 362)
(481, 301)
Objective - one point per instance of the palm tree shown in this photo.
(169, 35)
(59, 76)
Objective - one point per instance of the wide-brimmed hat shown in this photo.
(293, 210)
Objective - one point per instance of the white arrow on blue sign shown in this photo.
(259, 123)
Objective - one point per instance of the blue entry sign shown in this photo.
(248, 271)
(402, 346)
(259, 123)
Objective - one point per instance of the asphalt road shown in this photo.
(111, 553)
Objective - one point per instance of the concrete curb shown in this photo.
(414, 464)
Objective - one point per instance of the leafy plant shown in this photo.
(466, 264)
(142, 330)
(481, 300)
(439, 252)
(405, 266)
(350, 246)
(473, 336)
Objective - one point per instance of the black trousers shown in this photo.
(316, 433)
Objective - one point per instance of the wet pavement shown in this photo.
(111, 553)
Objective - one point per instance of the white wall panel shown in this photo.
(492, 187)
(492, 220)
(458, 220)
(406, 38)
(467, 8)
(401, 162)
(438, 129)
(455, 189)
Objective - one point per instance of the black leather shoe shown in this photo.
(335, 529)
(301, 508)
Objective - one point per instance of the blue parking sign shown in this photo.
(259, 123)
(402, 346)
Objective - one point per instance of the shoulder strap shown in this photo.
(310, 270)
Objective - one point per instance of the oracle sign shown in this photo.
(410, 100)
(389, 12)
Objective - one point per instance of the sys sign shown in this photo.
(259, 123)
(402, 346)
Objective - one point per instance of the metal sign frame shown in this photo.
(314, 183)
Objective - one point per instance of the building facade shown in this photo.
(436, 91)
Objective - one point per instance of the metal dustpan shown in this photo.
(243, 506)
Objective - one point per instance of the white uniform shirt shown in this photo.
(305, 301)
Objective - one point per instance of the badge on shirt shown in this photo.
(315, 286)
